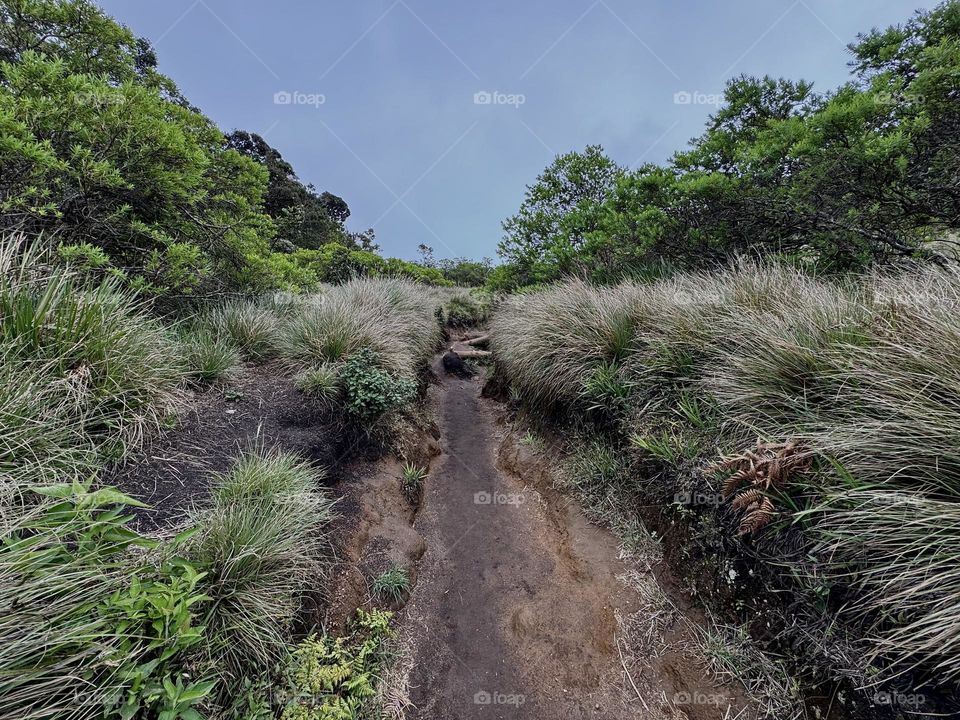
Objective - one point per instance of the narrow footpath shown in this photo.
(524, 609)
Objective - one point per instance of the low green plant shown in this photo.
(463, 310)
(209, 358)
(370, 390)
(89, 623)
(392, 584)
(321, 382)
(413, 476)
(335, 678)
(661, 444)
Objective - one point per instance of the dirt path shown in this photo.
(522, 608)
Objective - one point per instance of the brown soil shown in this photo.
(523, 608)
(260, 406)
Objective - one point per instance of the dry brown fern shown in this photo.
(763, 468)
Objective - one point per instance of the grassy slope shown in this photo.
(865, 376)
(88, 374)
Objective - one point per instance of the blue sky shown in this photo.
(384, 107)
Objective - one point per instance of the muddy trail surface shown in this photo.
(524, 609)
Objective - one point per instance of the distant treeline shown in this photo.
(863, 175)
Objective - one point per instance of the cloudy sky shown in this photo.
(429, 117)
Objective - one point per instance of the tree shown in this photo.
(558, 212)
(465, 272)
(426, 255)
(303, 217)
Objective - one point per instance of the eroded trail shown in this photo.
(522, 608)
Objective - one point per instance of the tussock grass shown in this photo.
(209, 358)
(394, 318)
(250, 325)
(84, 368)
(262, 543)
(865, 373)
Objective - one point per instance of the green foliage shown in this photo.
(413, 477)
(845, 180)
(85, 367)
(464, 310)
(466, 273)
(335, 678)
(336, 264)
(209, 357)
(149, 180)
(103, 151)
(247, 324)
(303, 218)
(370, 390)
(392, 317)
(89, 624)
(863, 372)
(558, 213)
(321, 382)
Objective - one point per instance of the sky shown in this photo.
(430, 117)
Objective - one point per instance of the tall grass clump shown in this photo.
(393, 318)
(864, 373)
(250, 325)
(208, 358)
(84, 365)
(551, 342)
(262, 545)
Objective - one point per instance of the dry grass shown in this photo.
(866, 375)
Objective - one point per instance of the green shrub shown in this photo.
(466, 310)
(335, 678)
(370, 390)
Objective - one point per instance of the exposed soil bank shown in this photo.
(260, 406)
(522, 608)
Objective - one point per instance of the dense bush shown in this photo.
(370, 390)
(101, 151)
(863, 374)
(90, 625)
